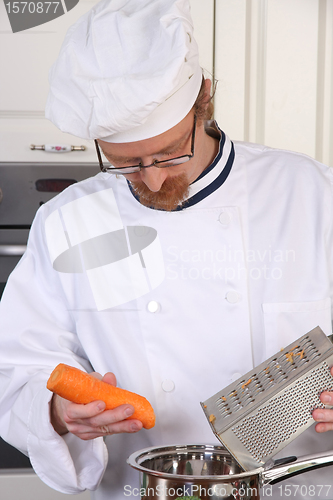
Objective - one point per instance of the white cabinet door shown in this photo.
(274, 63)
(25, 59)
(203, 21)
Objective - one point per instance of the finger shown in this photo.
(117, 421)
(88, 432)
(322, 415)
(81, 416)
(110, 378)
(108, 417)
(78, 412)
(327, 398)
(324, 427)
(126, 426)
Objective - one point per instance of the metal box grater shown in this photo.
(263, 411)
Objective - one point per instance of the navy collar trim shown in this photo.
(216, 159)
(213, 186)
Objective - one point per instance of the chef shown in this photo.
(188, 260)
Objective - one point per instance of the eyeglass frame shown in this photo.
(156, 163)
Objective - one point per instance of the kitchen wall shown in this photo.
(273, 60)
(26, 58)
(274, 63)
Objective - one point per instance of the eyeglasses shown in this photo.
(157, 163)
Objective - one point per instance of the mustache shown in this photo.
(172, 194)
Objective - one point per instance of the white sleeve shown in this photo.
(36, 333)
(80, 464)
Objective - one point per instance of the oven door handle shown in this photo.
(12, 250)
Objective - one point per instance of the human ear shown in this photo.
(208, 86)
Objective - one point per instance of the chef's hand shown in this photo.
(323, 416)
(91, 421)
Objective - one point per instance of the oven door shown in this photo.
(24, 187)
(12, 247)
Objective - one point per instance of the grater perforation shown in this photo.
(263, 411)
(262, 424)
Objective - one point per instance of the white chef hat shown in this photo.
(127, 70)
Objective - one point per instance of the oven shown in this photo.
(24, 187)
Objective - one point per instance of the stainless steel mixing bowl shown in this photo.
(209, 472)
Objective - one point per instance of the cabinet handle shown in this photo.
(12, 250)
(57, 148)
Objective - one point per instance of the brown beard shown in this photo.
(174, 191)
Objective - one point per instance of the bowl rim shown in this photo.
(154, 451)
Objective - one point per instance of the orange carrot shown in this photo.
(212, 418)
(301, 354)
(247, 383)
(80, 387)
(289, 356)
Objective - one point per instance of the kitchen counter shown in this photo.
(19, 484)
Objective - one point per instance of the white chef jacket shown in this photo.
(217, 287)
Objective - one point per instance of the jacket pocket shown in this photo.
(285, 322)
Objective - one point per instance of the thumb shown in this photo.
(110, 378)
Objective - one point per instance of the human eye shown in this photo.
(120, 163)
(174, 152)
(177, 149)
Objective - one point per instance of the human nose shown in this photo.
(153, 177)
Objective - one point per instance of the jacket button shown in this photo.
(232, 297)
(168, 385)
(153, 306)
(224, 218)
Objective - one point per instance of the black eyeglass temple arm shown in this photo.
(100, 156)
(101, 166)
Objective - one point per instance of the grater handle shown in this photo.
(276, 472)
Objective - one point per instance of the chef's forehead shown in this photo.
(128, 70)
(166, 143)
